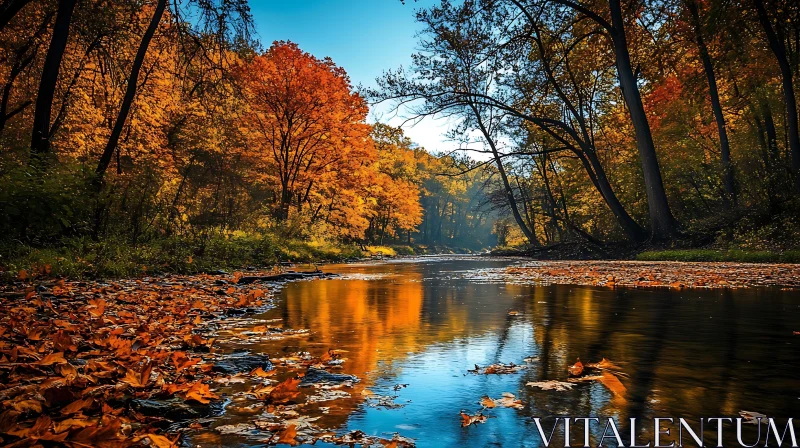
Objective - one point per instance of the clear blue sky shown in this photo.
(365, 37)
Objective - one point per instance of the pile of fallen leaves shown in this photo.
(666, 274)
(75, 357)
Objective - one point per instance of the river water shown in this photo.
(425, 322)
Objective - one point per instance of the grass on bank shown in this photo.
(84, 258)
(80, 258)
(734, 255)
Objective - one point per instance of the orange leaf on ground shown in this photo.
(160, 441)
(53, 358)
(77, 406)
(97, 307)
(261, 373)
(201, 393)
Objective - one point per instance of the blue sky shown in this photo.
(365, 37)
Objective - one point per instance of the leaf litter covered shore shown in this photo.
(666, 274)
(138, 362)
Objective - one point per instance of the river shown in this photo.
(413, 328)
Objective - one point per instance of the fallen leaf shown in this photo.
(576, 369)
(53, 358)
(161, 441)
(284, 391)
(97, 307)
(259, 372)
(467, 420)
(753, 417)
(288, 436)
(77, 406)
(613, 384)
(558, 386)
(508, 400)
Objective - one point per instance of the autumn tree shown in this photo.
(304, 123)
(776, 37)
(396, 187)
(40, 139)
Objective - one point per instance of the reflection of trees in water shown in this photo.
(643, 369)
(663, 339)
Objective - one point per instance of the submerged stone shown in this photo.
(173, 409)
(242, 362)
(319, 376)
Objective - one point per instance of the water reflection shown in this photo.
(687, 353)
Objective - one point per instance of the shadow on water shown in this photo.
(686, 353)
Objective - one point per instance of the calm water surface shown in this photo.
(425, 322)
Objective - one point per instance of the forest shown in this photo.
(149, 135)
(211, 240)
(659, 123)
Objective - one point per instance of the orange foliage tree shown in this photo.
(305, 127)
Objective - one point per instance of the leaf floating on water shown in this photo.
(753, 417)
(558, 386)
(328, 395)
(585, 378)
(576, 369)
(284, 391)
(288, 436)
(360, 438)
(508, 400)
(467, 420)
(201, 393)
(497, 369)
(603, 364)
(613, 384)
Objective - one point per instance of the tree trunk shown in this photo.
(130, 91)
(662, 224)
(713, 92)
(40, 137)
(634, 231)
(778, 47)
(512, 203)
(10, 8)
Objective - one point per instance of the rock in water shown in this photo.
(173, 409)
(319, 376)
(242, 362)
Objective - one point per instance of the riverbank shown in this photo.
(87, 259)
(140, 361)
(83, 258)
(578, 251)
(651, 274)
